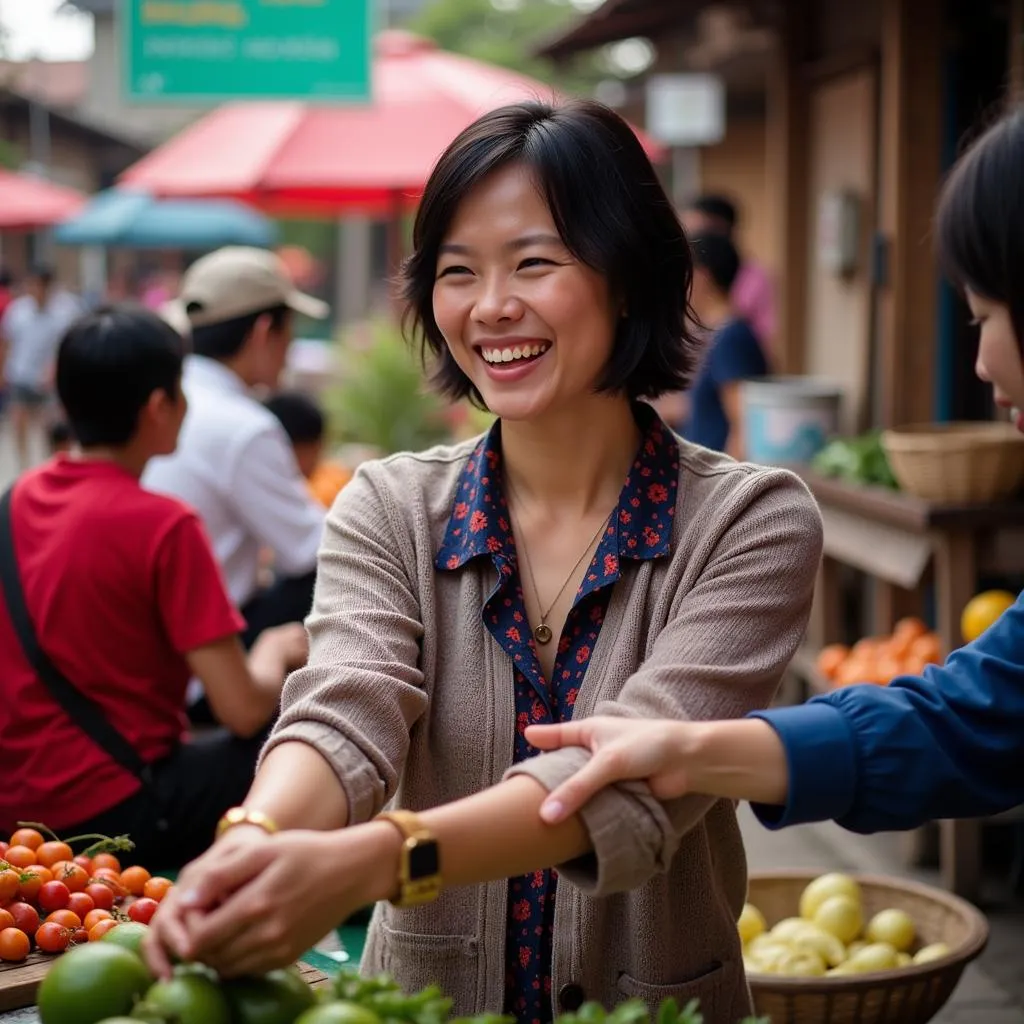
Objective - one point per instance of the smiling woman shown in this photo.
(578, 559)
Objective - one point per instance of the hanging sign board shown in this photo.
(212, 51)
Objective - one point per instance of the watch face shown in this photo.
(423, 860)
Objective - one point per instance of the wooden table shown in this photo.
(903, 543)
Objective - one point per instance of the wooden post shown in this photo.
(788, 166)
(910, 140)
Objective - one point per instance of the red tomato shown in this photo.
(83, 862)
(74, 876)
(3, 849)
(134, 879)
(14, 945)
(94, 917)
(106, 860)
(54, 896)
(52, 853)
(100, 928)
(143, 910)
(31, 881)
(157, 888)
(102, 895)
(65, 918)
(107, 876)
(9, 882)
(6, 921)
(28, 837)
(81, 903)
(26, 917)
(52, 938)
(20, 856)
(79, 935)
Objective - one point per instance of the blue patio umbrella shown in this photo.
(125, 218)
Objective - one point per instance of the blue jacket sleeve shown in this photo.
(948, 744)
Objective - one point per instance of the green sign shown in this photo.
(210, 51)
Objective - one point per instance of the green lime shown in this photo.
(128, 935)
(276, 998)
(187, 998)
(339, 1013)
(90, 983)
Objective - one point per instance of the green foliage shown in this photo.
(386, 1000)
(857, 460)
(382, 399)
(506, 34)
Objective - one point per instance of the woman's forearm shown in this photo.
(297, 788)
(491, 835)
(735, 760)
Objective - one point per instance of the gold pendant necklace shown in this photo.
(542, 632)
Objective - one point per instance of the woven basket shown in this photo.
(957, 463)
(905, 995)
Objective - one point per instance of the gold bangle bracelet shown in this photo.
(243, 816)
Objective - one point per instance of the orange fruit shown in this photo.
(831, 658)
(982, 610)
(910, 627)
(134, 879)
(928, 648)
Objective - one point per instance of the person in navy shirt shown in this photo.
(946, 744)
(733, 353)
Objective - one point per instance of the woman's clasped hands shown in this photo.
(255, 902)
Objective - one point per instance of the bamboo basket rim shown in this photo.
(936, 435)
(971, 949)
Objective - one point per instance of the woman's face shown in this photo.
(530, 325)
(1000, 361)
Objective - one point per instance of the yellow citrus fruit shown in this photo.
(904, 959)
(982, 610)
(824, 887)
(879, 956)
(840, 916)
(892, 926)
(800, 964)
(751, 923)
(936, 951)
(790, 927)
(815, 940)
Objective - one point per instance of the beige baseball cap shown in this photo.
(235, 281)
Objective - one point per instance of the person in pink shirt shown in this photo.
(753, 293)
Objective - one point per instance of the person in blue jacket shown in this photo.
(946, 744)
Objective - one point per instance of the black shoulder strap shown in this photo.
(80, 708)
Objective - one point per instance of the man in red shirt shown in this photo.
(127, 600)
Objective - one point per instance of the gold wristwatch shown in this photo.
(419, 871)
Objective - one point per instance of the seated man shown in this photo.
(234, 464)
(126, 600)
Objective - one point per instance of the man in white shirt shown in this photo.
(234, 464)
(31, 330)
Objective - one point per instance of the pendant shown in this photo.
(542, 634)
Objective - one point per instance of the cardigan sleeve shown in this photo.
(721, 655)
(362, 689)
(947, 744)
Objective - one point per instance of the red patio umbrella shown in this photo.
(28, 202)
(301, 159)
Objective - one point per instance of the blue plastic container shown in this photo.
(788, 420)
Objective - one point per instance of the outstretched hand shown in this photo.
(623, 748)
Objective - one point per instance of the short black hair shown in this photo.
(718, 256)
(225, 339)
(980, 219)
(717, 206)
(612, 214)
(59, 433)
(109, 364)
(301, 417)
(42, 272)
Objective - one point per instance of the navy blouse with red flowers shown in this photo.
(640, 528)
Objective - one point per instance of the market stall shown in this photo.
(905, 543)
